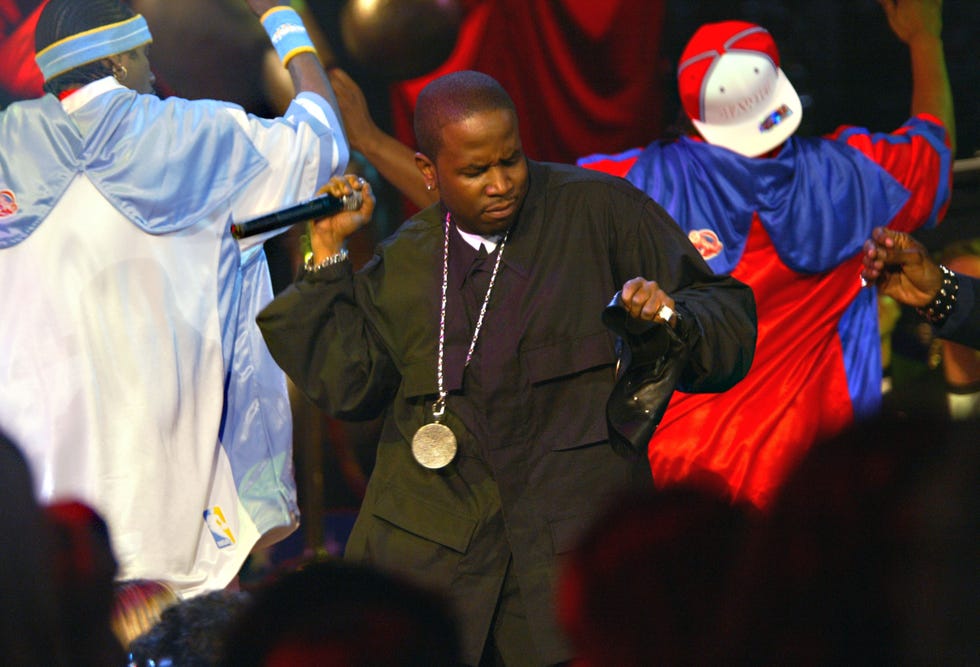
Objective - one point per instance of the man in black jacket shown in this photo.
(476, 331)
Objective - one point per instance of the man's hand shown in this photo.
(901, 267)
(910, 19)
(394, 160)
(644, 300)
(327, 235)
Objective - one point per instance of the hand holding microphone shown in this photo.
(328, 235)
(339, 195)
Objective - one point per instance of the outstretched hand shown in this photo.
(900, 267)
(327, 235)
(911, 18)
(644, 300)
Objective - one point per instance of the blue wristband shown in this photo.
(287, 32)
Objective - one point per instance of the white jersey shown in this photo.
(132, 374)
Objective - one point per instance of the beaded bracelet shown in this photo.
(287, 33)
(943, 303)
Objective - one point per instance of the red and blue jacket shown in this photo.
(791, 226)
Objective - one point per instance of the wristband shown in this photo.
(287, 32)
(942, 304)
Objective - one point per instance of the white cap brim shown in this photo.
(750, 138)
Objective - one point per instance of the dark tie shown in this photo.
(475, 285)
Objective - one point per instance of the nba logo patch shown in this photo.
(218, 525)
(706, 242)
(8, 203)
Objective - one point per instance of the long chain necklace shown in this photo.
(434, 444)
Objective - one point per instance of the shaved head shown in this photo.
(452, 98)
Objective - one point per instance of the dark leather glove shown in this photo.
(652, 358)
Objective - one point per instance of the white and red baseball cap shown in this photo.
(732, 88)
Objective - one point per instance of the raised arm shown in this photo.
(328, 236)
(290, 36)
(394, 160)
(318, 332)
(919, 24)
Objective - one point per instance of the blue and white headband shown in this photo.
(92, 45)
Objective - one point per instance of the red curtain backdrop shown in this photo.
(19, 76)
(586, 75)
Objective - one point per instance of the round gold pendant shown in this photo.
(434, 446)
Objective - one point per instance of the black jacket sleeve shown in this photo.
(963, 325)
(324, 342)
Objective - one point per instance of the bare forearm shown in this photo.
(396, 163)
(931, 92)
(293, 45)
